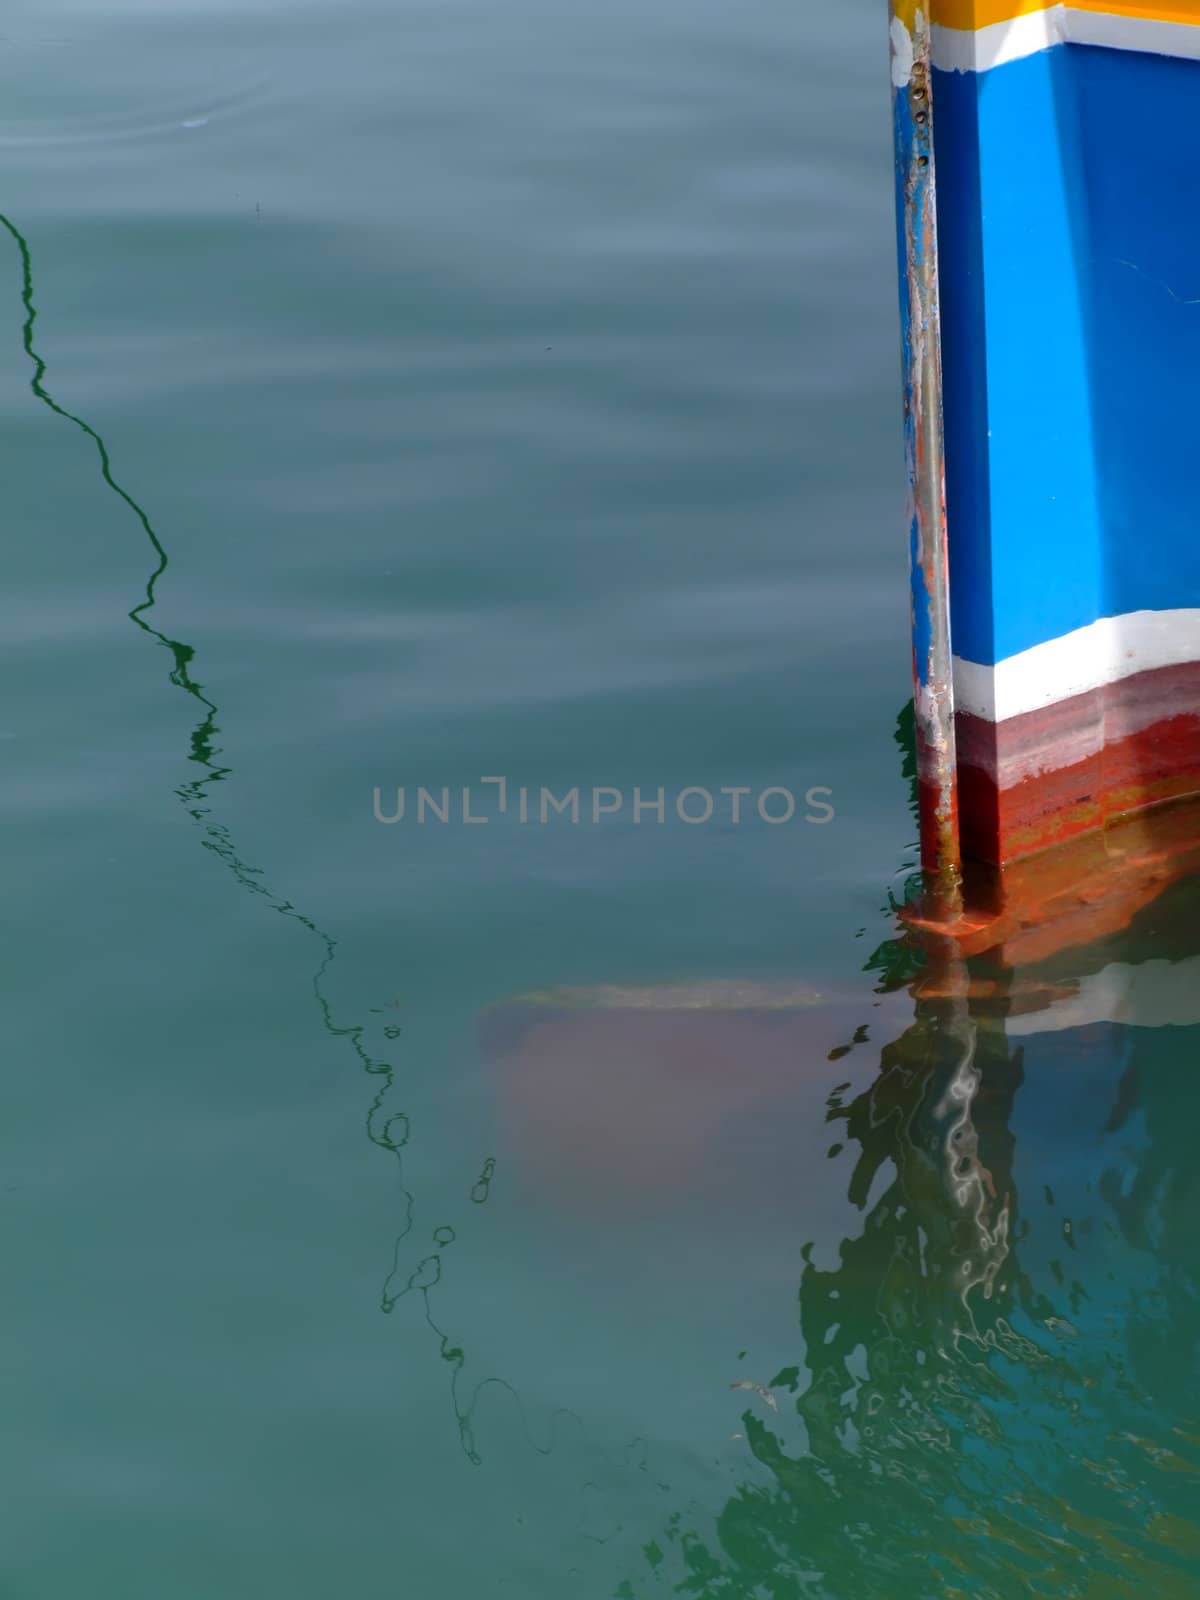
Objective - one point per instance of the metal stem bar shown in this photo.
(932, 666)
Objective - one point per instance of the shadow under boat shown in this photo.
(641, 1079)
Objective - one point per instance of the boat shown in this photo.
(1048, 202)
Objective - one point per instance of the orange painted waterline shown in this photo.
(1070, 895)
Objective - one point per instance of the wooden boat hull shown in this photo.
(1068, 220)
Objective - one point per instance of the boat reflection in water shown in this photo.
(995, 1387)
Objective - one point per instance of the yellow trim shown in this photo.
(971, 14)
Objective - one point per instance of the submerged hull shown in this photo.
(1067, 180)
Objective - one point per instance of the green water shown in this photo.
(398, 395)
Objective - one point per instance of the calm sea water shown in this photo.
(400, 394)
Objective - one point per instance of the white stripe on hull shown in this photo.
(980, 49)
(1077, 663)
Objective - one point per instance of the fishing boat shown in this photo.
(1049, 239)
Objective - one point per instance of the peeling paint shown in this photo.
(902, 54)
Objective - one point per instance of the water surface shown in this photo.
(401, 394)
